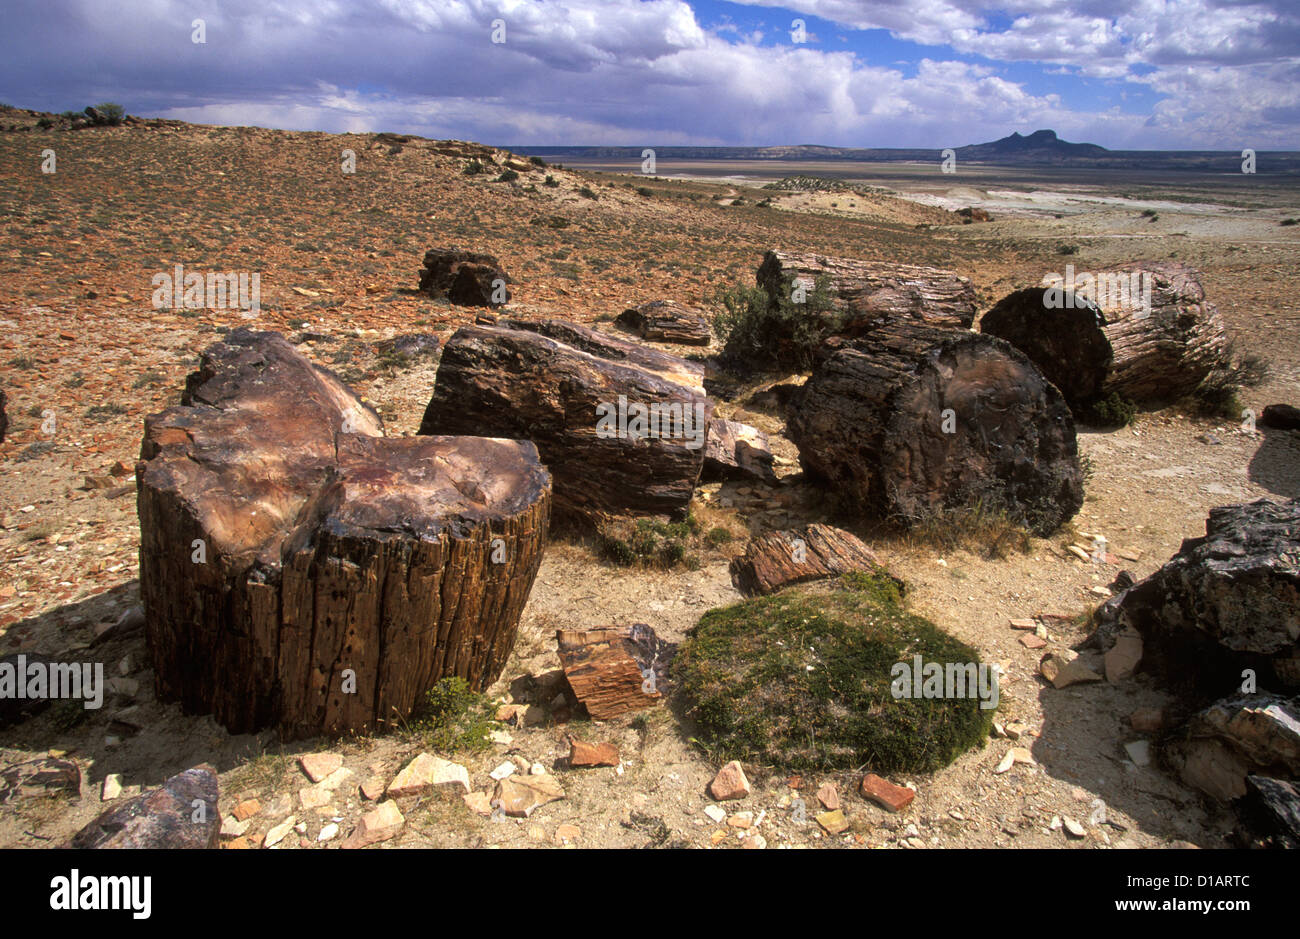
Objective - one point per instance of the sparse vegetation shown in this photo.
(649, 542)
(757, 330)
(473, 168)
(1112, 410)
(453, 717)
(586, 193)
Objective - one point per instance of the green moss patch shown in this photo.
(802, 681)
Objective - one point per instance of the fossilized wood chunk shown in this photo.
(912, 421)
(870, 293)
(666, 321)
(1147, 345)
(778, 559)
(577, 395)
(1227, 601)
(299, 569)
(735, 450)
(466, 278)
(614, 670)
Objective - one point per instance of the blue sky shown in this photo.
(1178, 74)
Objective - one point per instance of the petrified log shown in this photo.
(914, 420)
(621, 427)
(1280, 416)
(614, 669)
(778, 559)
(1226, 602)
(868, 293)
(466, 278)
(164, 818)
(1236, 737)
(1277, 809)
(299, 569)
(666, 321)
(1145, 332)
(737, 451)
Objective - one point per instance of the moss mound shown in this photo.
(745, 670)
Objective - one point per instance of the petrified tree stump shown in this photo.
(666, 321)
(1113, 334)
(466, 278)
(869, 293)
(299, 569)
(914, 420)
(815, 552)
(1226, 602)
(614, 669)
(621, 427)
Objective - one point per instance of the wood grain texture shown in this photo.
(778, 559)
(872, 422)
(1091, 349)
(545, 382)
(327, 547)
(870, 293)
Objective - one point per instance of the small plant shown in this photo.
(1067, 249)
(551, 182)
(473, 168)
(537, 161)
(45, 123)
(107, 114)
(1112, 410)
(758, 329)
(507, 176)
(644, 191)
(718, 537)
(648, 542)
(586, 193)
(102, 412)
(453, 717)
(1290, 221)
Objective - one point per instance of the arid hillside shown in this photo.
(85, 357)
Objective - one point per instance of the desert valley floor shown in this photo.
(339, 256)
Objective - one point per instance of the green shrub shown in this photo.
(45, 123)
(718, 536)
(1290, 221)
(802, 681)
(507, 176)
(110, 114)
(453, 717)
(586, 193)
(1067, 249)
(551, 182)
(758, 330)
(644, 191)
(1113, 410)
(648, 542)
(473, 168)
